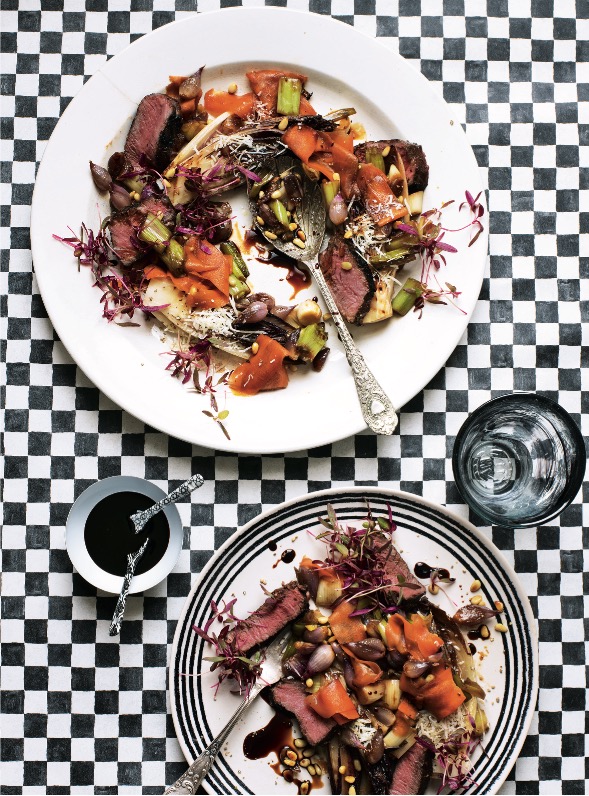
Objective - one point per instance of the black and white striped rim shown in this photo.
(465, 543)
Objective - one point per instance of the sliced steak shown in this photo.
(380, 775)
(412, 155)
(290, 695)
(394, 566)
(153, 132)
(283, 606)
(124, 227)
(412, 772)
(352, 288)
(161, 207)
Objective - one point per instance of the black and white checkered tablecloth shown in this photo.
(83, 713)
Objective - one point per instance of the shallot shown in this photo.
(338, 210)
(320, 660)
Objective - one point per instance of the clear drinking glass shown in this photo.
(519, 460)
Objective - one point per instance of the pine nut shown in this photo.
(260, 220)
(271, 236)
(301, 235)
(342, 769)
(346, 266)
(475, 585)
(500, 628)
(499, 606)
(432, 588)
(305, 787)
(352, 791)
(292, 226)
(255, 348)
(323, 620)
(318, 769)
(299, 243)
(291, 755)
(289, 762)
(232, 88)
(476, 600)
(277, 194)
(484, 631)
(309, 682)
(385, 151)
(299, 743)
(310, 628)
(283, 123)
(357, 765)
(311, 770)
(305, 762)
(350, 779)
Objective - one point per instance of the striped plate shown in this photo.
(508, 663)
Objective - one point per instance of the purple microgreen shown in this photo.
(228, 660)
(453, 757)
(359, 557)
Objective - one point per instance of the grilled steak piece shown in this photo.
(284, 605)
(153, 132)
(124, 226)
(412, 772)
(394, 565)
(290, 695)
(352, 288)
(412, 155)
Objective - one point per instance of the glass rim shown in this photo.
(577, 474)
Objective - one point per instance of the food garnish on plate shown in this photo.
(170, 249)
(380, 682)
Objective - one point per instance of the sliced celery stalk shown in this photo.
(311, 340)
(289, 96)
(279, 211)
(230, 248)
(330, 189)
(159, 236)
(389, 257)
(375, 157)
(407, 296)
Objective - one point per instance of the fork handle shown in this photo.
(377, 409)
(132, 560)
(141, 518)
(190, 781)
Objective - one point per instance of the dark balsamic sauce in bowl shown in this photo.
(109, 534)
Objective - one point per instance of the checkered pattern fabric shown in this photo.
(84, 713)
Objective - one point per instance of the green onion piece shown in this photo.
(330, 189)
(375, 157)
(389, 257)
(257, 186)
(238, 291)
(159, 236)
(407, 296)
(289, 96)
(279, 211)
(311, 340)
(238, 262)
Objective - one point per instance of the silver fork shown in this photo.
(271, 673)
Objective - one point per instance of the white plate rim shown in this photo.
(351, 421)
(359, 491)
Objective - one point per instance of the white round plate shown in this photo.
(425, 532)
(76, 546)
(345, 68)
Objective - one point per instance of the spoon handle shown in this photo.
(140, 518)
(377, 410)
(190, 781)
(132, 560)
